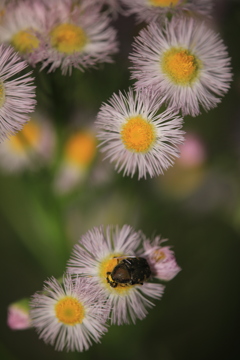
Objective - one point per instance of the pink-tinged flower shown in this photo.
(22, 24)
(18, 315)
(192, 152)
(161, 259)
(70, 315)
(16, 95)
(78, 155)
(30, 148)
(185, 61)
(152, 10)
(97, 254)
(136, 136)
(77, 35)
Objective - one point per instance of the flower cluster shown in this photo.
(61, 34)
(112, 275)
(180, 63)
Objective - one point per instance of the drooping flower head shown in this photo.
(77, 35)
(152, 10)
(97, 254)
(185, 61)
(161, 259)
(16, 94)
(70, 315)
(136, 136)
(30, 148)
(22, 24)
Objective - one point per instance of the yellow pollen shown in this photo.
(81, 148)
(2, 94)
(27, 138)
(164, 3)
(180, 65)
(69, 311)
(25, 41)
(68, 38)
(137, 134)
(107, 265)
(158, 255)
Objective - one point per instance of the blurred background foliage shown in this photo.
(197, 208)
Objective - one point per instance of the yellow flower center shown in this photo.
(69, 311)
(81, 149)
(25, 41)
(68, 38)
(27, 138)
(158, 255)
(164, 3)
(137, 134)
(107, 266)
(180, 65)
(2, 94)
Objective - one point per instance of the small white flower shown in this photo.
(136, 136)
(71, 315)
(97, 254)
(185, 61)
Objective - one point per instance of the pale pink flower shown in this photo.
(161, 259)
(152, 10)
(97, 253)
(192, 151)
(136, 136)
(70, 315)
(18, 315)
(16, 95)
(185, 61)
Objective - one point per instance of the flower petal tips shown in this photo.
(16, 95)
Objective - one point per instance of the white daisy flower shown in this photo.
(77, 36)
(16, 95)
(96, 256)
(185, 61)
(136, 136)
(152, 10)
(21, 25)
(70, 316)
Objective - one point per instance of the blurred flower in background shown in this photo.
(30, 148)
(21, 26)
(189, 171)
(155, 10)
(19, 315)
(79, 152)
